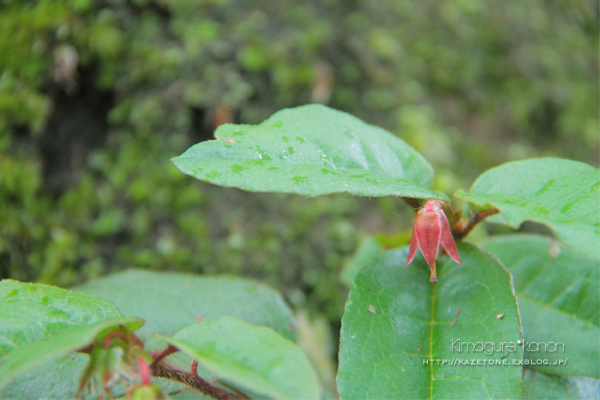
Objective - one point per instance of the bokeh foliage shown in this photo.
(96, 96)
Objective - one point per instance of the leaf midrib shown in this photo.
(431, 328)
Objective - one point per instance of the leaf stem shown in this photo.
(462, 227)
(159, 355)
(162, 370)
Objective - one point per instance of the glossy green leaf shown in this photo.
(170, 301)
(562, 194)
(310, 150)
(539, 386)
(72, 338)
(31, 312)
(251, 357)
(559, 298)
(403, 337)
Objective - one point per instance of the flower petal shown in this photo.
(428, 230)
(412, 251)
(448, 240)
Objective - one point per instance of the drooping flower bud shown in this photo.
(430, 230)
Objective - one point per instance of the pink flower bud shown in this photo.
(430, 230)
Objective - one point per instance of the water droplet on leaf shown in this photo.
(300, 179)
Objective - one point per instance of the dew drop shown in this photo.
(300, 179)
(255, 162)
(542, 210)
(567, 208)
(236, 168)
(213, 174)
(547, 186)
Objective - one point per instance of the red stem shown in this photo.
(162, 370)
(159, 355)
(462, 227)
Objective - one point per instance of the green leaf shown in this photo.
(32, 312)
(56, 379)
(59, 379)
(169, 301)
(39, 323)
(310, 150)
(559, 298)
(368, 248)
(32, 354)
(251, 357)
(189, 394)
(562, 194)
(540, 386)
(397, 326)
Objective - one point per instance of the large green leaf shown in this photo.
(368, 248)
(562, 194)
(170, 301)
(29, 355)
(397, 326)
(559, 298)
(31, 312)
(539, 386)
(310, 150)
(251, 357)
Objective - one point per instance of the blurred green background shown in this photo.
(97, 96)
